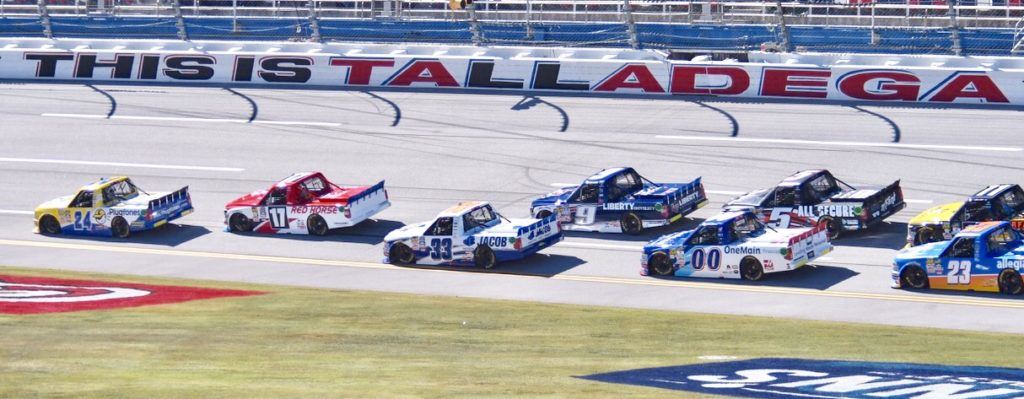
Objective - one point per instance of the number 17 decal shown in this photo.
(278, 216)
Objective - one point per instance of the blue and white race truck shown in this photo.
(619, 200)
(468, 234)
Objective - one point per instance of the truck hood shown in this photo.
(930, 250)
(750, 199)
(407, 231)
(59, 202)
(551, 198)
(668, 241)
(937, 214)
(251, 199)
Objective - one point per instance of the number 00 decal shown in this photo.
(713, 258)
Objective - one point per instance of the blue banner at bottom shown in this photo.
(804, 378)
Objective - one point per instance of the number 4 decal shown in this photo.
(278, 217)
(959, 272)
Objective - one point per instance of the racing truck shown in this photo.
(993, 203)
(815, 197)
(111, 207)
(470, 234)
(734, 245)
(619, 200)
(988, 256)
(304, 203)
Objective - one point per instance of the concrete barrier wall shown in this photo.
(895, 78)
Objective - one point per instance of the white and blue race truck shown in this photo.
(619, 200)
(470, 234)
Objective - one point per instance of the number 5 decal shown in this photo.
(959, 272)
(780, 216)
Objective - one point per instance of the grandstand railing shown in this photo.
(1009, 14)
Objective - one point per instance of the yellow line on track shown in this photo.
(761, 289)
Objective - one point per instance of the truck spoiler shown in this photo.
(663, 190)
(366, 193)
(170, 204)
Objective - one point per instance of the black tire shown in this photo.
(119, 228)
(484, 257)
(401, 254)
(241, 223)
(660, 264)
(49, 225)
(1010, 282)
(631, 224)
(317, 226)
(926, 235)
(914, 277)
(751, 269)
(543, 214)
(832, 226)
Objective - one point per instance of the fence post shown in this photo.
(314, 23)
(474, 25)
(783, 29)
(179, 21)
(529, 26)
(44, 19)
(954, 29)
(627, 14)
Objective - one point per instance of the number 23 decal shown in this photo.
(959, 272)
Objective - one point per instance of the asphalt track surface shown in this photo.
(435, 149)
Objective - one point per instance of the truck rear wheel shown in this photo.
(914, 277)
(316, 225)
(750, 269)
(484, 257)
(119, 228)
(660, 265)
(1010, 282)
(631, 224)
(832, 226)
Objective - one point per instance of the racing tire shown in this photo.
(317, 226)
(543, 214)
(751, 269)
(119, 228)
(660, 265)
(631, 224)
(832, 226)
(914, 277)
(1010, 282)
(49, 225)
(926, 235)
(241, 223)
(401, 254)
(484, 257)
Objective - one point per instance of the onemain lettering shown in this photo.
(743, 250)
(327, 70)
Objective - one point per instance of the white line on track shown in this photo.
(187, 119)
(122, 164)
(843, 143)
(15, 212)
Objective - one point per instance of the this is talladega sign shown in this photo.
(802, 378)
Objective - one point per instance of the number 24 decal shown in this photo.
(713, 258)
(83, 222)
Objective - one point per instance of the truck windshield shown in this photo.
(482, 216)
(748, 226)
(751, 198)
(1003, 240)
(120, 191)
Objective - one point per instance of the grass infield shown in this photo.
(295, 342)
